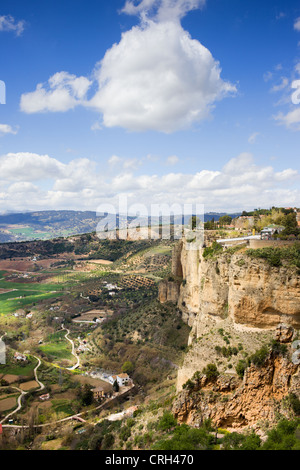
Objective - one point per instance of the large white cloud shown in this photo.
(156, 78)
(26, 166)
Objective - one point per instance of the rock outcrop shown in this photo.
(168, 291)
(249, 403)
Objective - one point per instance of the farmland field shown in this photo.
(7, 404)
(17, 295)
(16, 369)
(57, 347)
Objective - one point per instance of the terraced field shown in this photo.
(19, 295)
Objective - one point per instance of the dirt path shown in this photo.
(77, 417)
(73, 351)
(23, 393)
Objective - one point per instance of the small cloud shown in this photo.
(6, 129)
(96, 126)
(297, 24)
(63, 92)
(268, 76)
(284, 83)
(8, 23)
(297, 68)
(290, 120)
(114, 160)
(172, 160)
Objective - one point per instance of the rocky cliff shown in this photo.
(234, 304)
(234, 404)
(247, 290)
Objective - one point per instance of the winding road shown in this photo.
(73, 351)
(41, 385)
(23, 393)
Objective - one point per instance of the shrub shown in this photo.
(211, 251)
(167, 422)
(211, 371)
(283, 437)
(259, 357)
(295, 403)
(241, 367)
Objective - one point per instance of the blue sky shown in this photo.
(167, 101)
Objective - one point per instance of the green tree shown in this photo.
(284, 437)
(86, 395)
(225, 220)
(167, 422)
(127, 367)
(116, 387)
(211, 371)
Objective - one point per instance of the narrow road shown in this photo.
(78, 415)
(73, 351)
(19, 402)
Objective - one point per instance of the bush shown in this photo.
(275, 256)
(186, 438)
(295, 403)
(167, 422)
(284, 436)
(241, 367)
(211, 371)
(211, 251)
(259, 357)
(237, 441)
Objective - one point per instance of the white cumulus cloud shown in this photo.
(63, 92)
(81, 184)
(156, 78)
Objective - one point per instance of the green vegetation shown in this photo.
(18, 368)
(213, 250)
(57, 347)
(286, 436)
(23, 295)
(149, 336)
(186, 438)
(211, 371)
(259, 357)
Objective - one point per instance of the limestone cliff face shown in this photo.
(168, 291)
(248, 291)
(237, 301)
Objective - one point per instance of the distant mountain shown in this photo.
(216, 215)
(44, 225)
